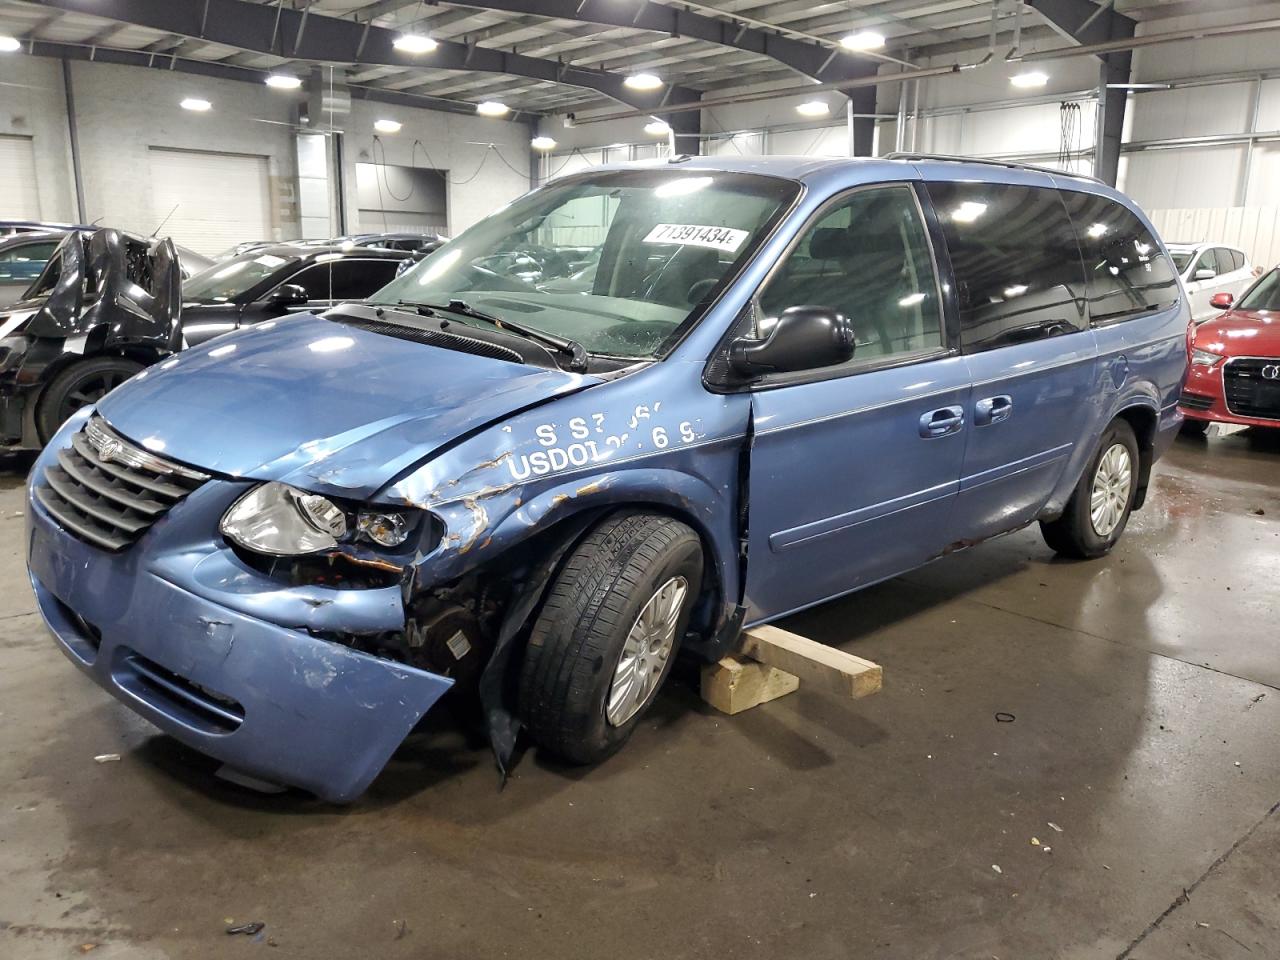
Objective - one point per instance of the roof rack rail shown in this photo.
(1012, 164)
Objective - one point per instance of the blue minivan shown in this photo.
(783, 379)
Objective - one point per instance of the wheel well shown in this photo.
(1143, 421)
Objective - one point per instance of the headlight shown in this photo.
(1205, 358)
(282, 521)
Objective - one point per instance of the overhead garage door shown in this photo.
(217, 199)
(19, 199)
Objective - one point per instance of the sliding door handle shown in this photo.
(992, 410)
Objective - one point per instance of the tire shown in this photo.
(1075, 534)
(1195, 428)
(82, 383)
(619, 571)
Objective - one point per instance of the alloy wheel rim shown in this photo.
(1112, 483)
(90, 390)
(645, 652)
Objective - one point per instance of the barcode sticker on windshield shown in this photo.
(718, 238)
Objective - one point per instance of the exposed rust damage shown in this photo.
(372, 562)
(558, 499)
(480, 520)
(595, 486)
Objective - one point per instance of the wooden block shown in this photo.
(817, 665)
(733, 685)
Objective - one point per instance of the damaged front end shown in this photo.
(105, 293)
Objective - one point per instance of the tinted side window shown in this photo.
(346, 279)
(1017, 267)
(1237, 259)
(1225, 263)
(1207, 261)
(867, 257)
(1127, 273)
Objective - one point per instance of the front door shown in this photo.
(853, 469)
(1024, 330)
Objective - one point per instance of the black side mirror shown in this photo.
(288, 295)
(804, 338)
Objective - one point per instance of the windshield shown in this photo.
(1180, 259)
(1263, 295)
(620, 262)
(227, 280)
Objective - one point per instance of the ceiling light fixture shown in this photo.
(414, 43)
(643, 81)
(1032, 78)
(657, 128)
(196, 104)
(863, 40)
(813, 108)
(542, 143)
(283, 81)
(10, 44)
(387, 126)
(492, 108)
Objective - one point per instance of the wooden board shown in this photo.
(732, 685)
(825, 668)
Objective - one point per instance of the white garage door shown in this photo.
(217, 199)
(19, 199)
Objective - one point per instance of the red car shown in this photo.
(1234, 376)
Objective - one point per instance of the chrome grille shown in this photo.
(108, 492)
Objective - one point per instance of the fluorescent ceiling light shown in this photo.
(387, 126)
(414, 43)
(643, 81)
(10, 44)
(542, 143)
(283, 81)
(1032, 78)
(863, 40)
(1017, 290)
(196, 104)
(657, 128)
(1139, 86)
(492, 108)
(1096, 230)
(813, 108)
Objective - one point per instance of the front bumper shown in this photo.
(224, 659)
(1204, 398)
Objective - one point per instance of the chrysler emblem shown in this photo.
(110, 449)
(1271, 372)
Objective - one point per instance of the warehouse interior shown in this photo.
(1069, 759)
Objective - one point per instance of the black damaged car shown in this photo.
(109, 303)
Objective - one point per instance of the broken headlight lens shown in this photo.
(281, 521)
(385, 529)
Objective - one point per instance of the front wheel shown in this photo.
(1195, 428)
(608, 633)
(1099, 508)
(82, 383)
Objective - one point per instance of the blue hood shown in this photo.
(325, 406)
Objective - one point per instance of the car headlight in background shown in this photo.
(1204, 358)
(281, 521)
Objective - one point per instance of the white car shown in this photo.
(1208, 269)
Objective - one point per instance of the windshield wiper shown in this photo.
(575, 351)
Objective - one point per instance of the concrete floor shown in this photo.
(1146, 692)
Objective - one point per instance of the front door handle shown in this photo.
(992, 410)
(940, 423)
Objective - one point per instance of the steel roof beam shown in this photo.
(810, 59)
(253, 28)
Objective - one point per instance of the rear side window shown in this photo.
(1127, 273)
(1237, 259)
(1016, 264)
(346, 279)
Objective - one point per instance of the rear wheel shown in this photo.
(1099, 508)
(79, 385)
(608, 633)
